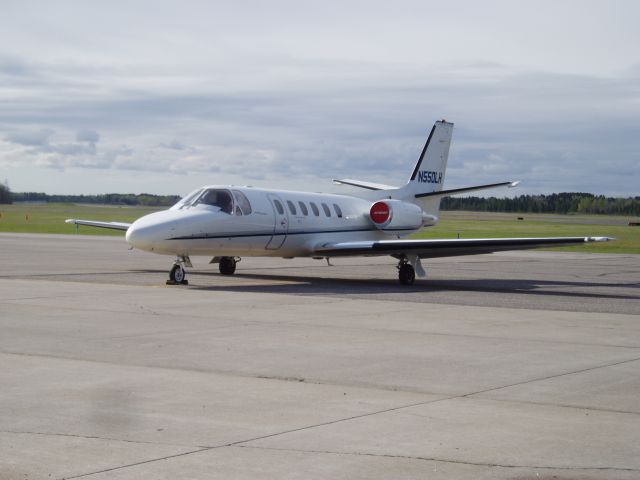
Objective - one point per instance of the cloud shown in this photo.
(12, 66)
(173, 145)
(90, 136)
(35, 138)
(553, 131)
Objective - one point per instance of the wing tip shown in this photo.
(599, 239)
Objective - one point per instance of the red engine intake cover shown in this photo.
(380, 212)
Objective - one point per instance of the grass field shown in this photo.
(49, 218)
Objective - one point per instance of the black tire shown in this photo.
(406, 274)
(177, 274)
(227, 265)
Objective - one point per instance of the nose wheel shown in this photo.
(177, 274)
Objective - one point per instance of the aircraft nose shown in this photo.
(139, 236)
(151, 231)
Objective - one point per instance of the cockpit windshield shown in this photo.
(216, 197)
(187, 200)
(232, 203)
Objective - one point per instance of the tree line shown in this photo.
(554, 203)
(576, 202)
(129, 199)
(5, 193)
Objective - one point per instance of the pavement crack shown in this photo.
(144, 462)
(444, 460)
(549, 377)
(339, 420)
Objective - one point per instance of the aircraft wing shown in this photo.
(361, 184)
(446, 248)
(95, 223)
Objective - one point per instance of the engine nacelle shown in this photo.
(391, 215)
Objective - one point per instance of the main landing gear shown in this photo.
(406, 272)
(227, 265)
(408, 267)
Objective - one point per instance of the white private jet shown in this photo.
(229, 222)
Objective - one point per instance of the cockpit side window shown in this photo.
(243, 207)
(217, 198)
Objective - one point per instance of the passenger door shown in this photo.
(281, 226)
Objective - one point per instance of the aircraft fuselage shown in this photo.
(280, 223)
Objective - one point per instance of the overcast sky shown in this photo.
(163, 97)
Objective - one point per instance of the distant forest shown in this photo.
(5, 193)
(130, 199)
(554, 203)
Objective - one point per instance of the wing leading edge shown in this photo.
(446, 248)
(94, 223)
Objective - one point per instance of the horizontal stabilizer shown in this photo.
(446, 193)
(361, 184)
(95, 223)
(447, 248)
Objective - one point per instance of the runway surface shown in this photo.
(515, 365)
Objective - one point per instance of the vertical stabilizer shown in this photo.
(428, 174)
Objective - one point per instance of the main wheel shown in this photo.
(406, 274)
(227, 265)
(177, 274)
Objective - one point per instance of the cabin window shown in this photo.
(292, 207)
(303, 209)
(336, 207)
(327, 212)
(279, 207)
(314, 207)
(217, 198)
(243, 207)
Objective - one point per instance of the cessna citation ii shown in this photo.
(229, 222)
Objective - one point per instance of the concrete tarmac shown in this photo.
(518, 365)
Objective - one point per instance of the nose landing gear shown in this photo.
(177, 274)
